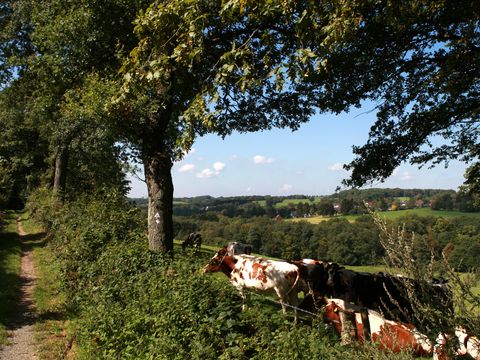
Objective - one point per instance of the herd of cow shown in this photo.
(359, 306)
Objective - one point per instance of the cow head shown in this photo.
(216, 262)
(332, 271)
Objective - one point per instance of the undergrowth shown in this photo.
(129, 303)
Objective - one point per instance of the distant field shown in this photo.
(428, 212)
(288, 202)
(394, 215)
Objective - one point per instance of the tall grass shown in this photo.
(398, 245)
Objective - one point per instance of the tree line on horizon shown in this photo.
(350, 202)
(339, 240)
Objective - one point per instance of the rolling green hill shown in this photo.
(395, 215)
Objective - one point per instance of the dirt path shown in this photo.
(22, 340)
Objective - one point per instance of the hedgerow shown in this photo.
(129, 303)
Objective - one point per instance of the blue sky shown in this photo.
(281, 162)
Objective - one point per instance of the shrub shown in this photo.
(131, 303)
(43, 205)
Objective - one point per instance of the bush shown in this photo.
(131, 303)
(43, 205)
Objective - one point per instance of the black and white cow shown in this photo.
(193, 240)
(236, 248)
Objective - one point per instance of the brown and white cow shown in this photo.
(466, 344)
(250, 272)
(392, 335)
(387, 294)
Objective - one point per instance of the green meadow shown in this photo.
(392, 215)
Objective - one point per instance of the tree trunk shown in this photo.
(60, 177)
(158, 176)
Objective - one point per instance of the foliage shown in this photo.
(82, 228)
(23, 159)
(132, 303)
(423, 72)
(43, 205)
(57, 62)
(52, 325)
(341, 240)
(399, 244)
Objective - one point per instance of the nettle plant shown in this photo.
(401, 250)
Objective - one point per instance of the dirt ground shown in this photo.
(22, 342)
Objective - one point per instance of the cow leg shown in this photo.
(288, 300)
(244, 298)
(293, 301)
(366, 323)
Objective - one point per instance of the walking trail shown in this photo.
(21, 329)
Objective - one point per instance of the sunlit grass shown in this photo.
(392, 215)
(52, 327)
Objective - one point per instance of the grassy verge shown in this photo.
(52, 325)
(10, 257)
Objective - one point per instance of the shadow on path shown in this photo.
(19, 319)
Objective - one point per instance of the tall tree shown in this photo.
(201, 66)
(67, 53)
(244, 65)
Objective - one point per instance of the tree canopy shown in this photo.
(188, 68)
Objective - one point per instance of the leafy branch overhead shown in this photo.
(249, 65)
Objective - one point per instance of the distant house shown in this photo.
(337, 208)
(419, 203)
(370, 205)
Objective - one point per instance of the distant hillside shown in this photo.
(347, 202)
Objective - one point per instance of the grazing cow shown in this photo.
(236, 248)
(467, 344)
(384, 293)
(250, 272)
(193, 240)
(313, 273)
(390, 335)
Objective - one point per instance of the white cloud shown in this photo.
(336, 167)
(401, 175)
(219, 166)
(406, 176)
(259, 159)
(205, 174)
(208, 173)
(234, 157)
(187, 167)
(286, 187)
(250, 189)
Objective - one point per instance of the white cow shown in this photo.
(250, 272)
